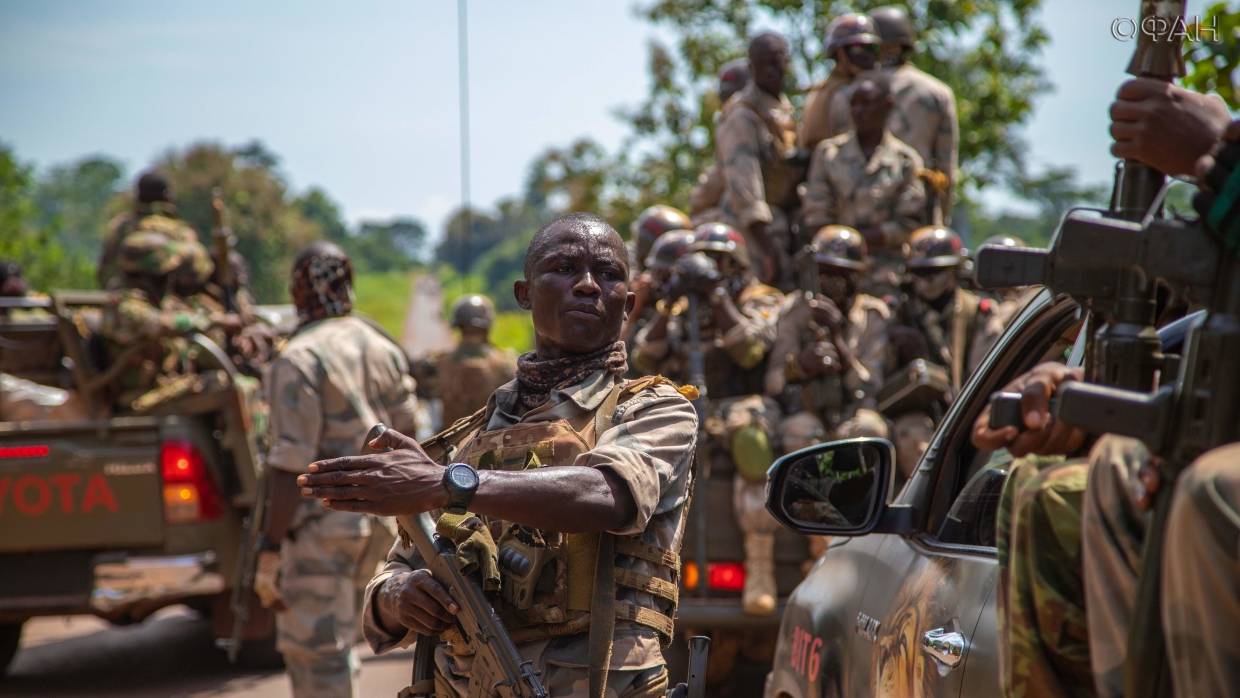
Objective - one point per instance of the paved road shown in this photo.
(425, 330)
(170, 654)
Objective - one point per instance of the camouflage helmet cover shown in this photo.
(839, 246)
(474, 311)
(933, 247)
(148, 253)
(721, 237)
(893, 25)
(668, 248)
(849, 30)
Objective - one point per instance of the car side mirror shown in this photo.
(839, 488)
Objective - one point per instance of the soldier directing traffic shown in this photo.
(336, 377)
(576, 465)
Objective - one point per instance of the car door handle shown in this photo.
(946, 646)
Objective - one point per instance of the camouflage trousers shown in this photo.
(1200, 568)
(1043, 645)
(561, 679)
(317, 632)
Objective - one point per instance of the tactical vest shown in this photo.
(551, 581)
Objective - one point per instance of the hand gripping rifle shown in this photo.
(498, 668)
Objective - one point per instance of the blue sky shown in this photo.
(361, 98)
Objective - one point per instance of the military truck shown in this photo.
(118, 516)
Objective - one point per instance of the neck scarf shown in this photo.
(536, 377)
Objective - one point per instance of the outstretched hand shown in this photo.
(402, 481)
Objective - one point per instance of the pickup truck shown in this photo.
(118, 516)
(903, 601)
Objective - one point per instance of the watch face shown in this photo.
(462, 476)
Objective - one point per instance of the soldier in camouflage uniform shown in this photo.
(737, 318)
(752, 146)
(867, 179)
(576, 461)
(463, 379)
(852, 42)
(925, 110)
(832, 345)
(337, 376)
(708, 191)
(153, 212)
(144, 322)
(651, 284)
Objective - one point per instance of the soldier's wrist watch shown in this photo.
(461, 482)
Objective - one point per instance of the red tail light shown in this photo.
(725, 576)
(31, 451)
(189, 493)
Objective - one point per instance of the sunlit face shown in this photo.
(577, 292)
(932, 284)
(769, 66)
(869, 104)
(837, 284)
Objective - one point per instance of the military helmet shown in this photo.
(721, 237)
(732, 78)
(849, 30)
(839, 246)
(668, 248)
(933, 247)
(1003, 241)
(474, 311)
(893, 25)
(655, 221)
(147, 253)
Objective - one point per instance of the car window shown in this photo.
(974, 478)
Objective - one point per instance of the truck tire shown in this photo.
(10, 639)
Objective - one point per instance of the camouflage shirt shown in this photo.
(466, 376)
(924, 117)
(158, 217)
(883, 191)
(745, 145)
(146, 337)
(650, 448)
(816, 118)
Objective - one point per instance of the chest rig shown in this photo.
(555, 584)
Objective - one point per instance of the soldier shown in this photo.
(577, 461)
(652, 282)
(925, 110)
(646, 230)
(867, 179)
(466, 376)
(833, 343)
(153, 212)
(852, 42)
(142, 332)
(709, 188)
(752, 146)
(737, 319)
(336, 377)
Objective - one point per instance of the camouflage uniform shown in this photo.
(815, 117)
(882, 192)
(649, 446)
(156, 217)
(865, 335)
(1201, 566)
(470, 372)
(336, 378)
(956, 338)
(924, 117)
(750, 144)
(735, 366)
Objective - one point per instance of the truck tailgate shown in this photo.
(80, 485)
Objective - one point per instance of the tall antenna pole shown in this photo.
(462, 28)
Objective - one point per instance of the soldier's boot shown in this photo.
(758, 597)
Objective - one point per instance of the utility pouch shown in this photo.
(522, 561)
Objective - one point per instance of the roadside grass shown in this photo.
(513, 331)
(384, 297)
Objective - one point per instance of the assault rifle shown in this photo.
(247, 562)
(222, 242)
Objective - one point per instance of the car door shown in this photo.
(929, 592)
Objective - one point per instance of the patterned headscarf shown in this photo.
(536, 378)
(329, 278)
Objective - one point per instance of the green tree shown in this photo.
(29, 240)
(317, 206)
(394, 245)
(269, 224)
(1212, 52)
(74, 200)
